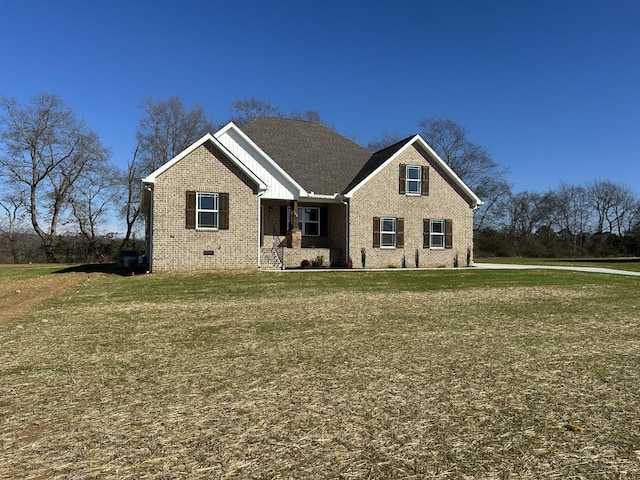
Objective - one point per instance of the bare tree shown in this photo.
(130, 184)
(94, 194)
(601, 196)
(13, 207)
(309, 115)
(624, 210)
(166, 129)
(385, 140)
(47, 148)
(247, 109)
(528, 212)
(616, 206)
(471, 162)
(572, 213)
(633, 218)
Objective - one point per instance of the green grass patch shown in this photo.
(20, 272)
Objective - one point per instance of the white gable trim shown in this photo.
(264, 158)
(434, 156)
(151, 178)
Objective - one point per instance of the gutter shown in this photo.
(321, 196)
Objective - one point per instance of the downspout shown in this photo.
(150, 233)
(346, 229)
(260, 232)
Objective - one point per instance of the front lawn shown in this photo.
(463, 373)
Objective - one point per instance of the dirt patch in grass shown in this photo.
(19, 297)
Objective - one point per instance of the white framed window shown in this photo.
(437, 232)
(309, 221)
(414, 180)
(388, 232)
(207, 210)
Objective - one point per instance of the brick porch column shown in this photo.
(294, 236)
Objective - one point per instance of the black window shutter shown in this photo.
(190, 210)
(426, 232)
(223, 211)
(402, 182)
(400, 233)
(425, 181)
(376, 232)
(283, 220)
(448, 236)
(324, 221)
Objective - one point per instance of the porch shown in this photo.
(295, 231)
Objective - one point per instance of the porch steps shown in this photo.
(270, 260)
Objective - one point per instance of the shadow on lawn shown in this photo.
(110, 268)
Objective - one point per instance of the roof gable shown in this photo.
(375, 161)
(151, 178)
(279, 183)
(382, 158)
(319, 159)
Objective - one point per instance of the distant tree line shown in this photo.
(598, 219)
(59, 188)
(26, 247)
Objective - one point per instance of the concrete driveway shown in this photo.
(504, 266)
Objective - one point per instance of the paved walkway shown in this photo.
(505, 266)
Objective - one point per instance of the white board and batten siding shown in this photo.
(279, 186)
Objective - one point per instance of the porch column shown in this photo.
(294, 236)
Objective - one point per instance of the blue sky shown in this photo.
(550, 87)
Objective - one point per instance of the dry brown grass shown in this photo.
(19, 297)
(118, 379)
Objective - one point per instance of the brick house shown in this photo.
(279, 191)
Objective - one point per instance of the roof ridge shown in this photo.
(315, 155)
(312, 122)
(403, 141)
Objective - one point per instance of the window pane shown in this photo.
(437, 241)
(309, 221)
(388, 240)
(414, 179)
(207, 202)
(207, 219)
(388, 225)
(437, 226)
(311, 214)
(413, 186)
(414, 173)
(311, 229)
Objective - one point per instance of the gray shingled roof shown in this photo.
(375, 161)
(315, 156)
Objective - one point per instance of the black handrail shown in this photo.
(277, 249)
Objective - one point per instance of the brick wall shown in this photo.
(294, 257)
(380, 198)
(206, 169)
